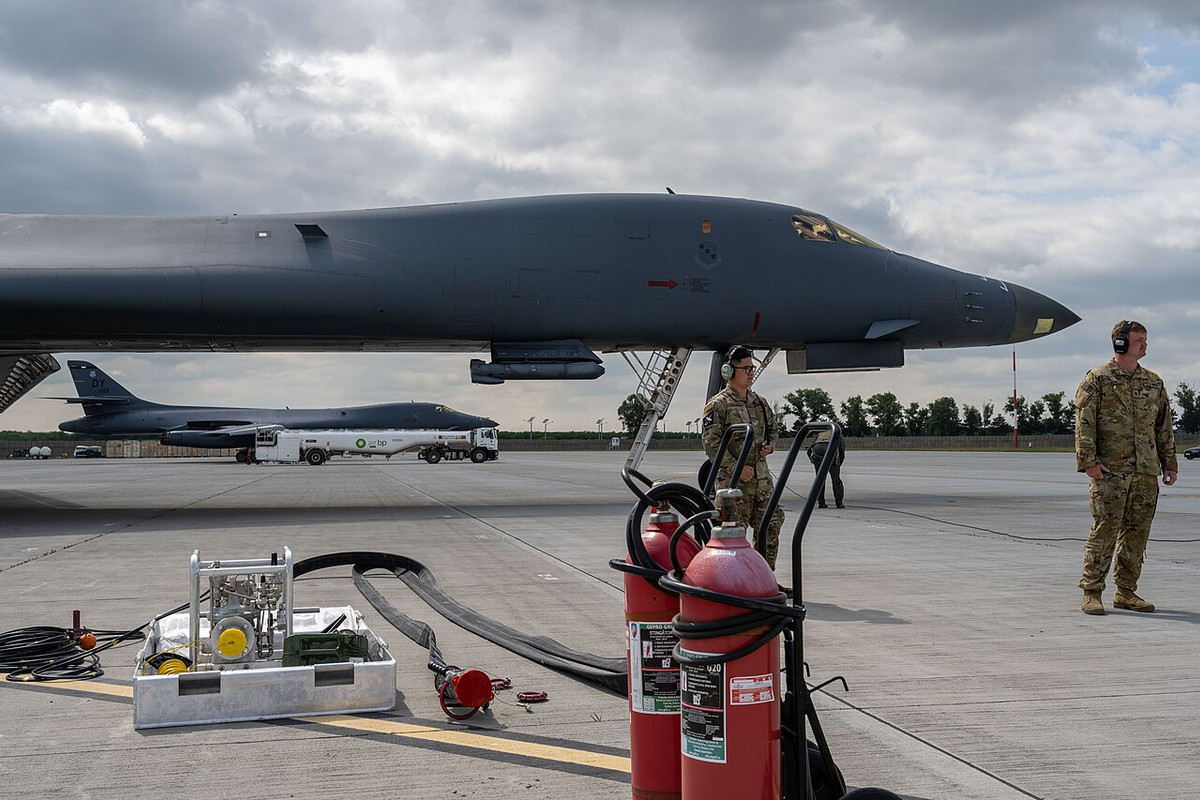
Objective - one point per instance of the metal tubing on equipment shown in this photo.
(236, 566)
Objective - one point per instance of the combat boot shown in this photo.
(1131, 601)
(1092, 604)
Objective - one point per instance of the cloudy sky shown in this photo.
(1052, 144)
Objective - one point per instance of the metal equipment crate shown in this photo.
(226, 664)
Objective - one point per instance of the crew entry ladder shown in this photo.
(665, 368)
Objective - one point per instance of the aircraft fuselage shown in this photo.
(612, 271)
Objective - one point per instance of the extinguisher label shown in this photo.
(654, 675)
(750, 689)
(702, 716)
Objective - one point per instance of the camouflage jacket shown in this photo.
(727, 408)
(1123, 421)
(816, 450)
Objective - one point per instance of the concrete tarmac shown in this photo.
(945, 594)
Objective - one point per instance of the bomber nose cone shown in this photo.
(1035, 315)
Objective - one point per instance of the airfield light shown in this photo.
(600, 427)
(530, 421)
(545, 427)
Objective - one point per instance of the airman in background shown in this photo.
(816, 452)
(1124, 440)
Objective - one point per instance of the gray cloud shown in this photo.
(173, 51)
(1030, 141)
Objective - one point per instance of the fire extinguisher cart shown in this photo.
(808, 769)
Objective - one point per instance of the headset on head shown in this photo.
(727, 368)
(1121, 340)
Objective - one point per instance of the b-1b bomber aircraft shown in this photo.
(112, 410)
(538, 285)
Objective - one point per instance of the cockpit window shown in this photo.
(814, 227)
(847, 235)
(444, 409)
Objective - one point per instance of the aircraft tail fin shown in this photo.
(98, 391)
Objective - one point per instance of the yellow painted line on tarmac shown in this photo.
(471, 739)
(477, 740)
(90, 687)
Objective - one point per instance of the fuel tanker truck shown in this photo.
(314, 447)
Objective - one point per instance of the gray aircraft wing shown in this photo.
(90, 399)
(238, 430)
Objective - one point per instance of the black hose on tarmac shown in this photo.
(609, 673)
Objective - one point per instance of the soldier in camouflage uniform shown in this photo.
(816, 453)
(736, 404)
(1123, 441)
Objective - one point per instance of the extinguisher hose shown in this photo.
(683, 657)
(767, 616)
(686, 499)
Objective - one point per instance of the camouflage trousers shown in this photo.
(835, 475)
(1123, 508)
(756, 492)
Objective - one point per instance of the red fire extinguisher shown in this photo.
(730, 687)
(649, 636)
(653, 673)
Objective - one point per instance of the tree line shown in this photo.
(883, 414)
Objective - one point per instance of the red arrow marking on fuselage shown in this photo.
(668, 284)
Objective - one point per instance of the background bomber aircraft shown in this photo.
(541, 284)
(111, 409)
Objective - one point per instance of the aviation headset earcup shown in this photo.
(1121, 342)
(727, 368)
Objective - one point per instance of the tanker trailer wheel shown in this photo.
(433, 456)
(316, 456)
(478, 455)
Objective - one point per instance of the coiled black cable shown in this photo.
(47, 653)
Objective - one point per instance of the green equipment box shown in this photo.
(306, 649)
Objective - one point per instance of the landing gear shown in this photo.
(658, 379)
(668, 366)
